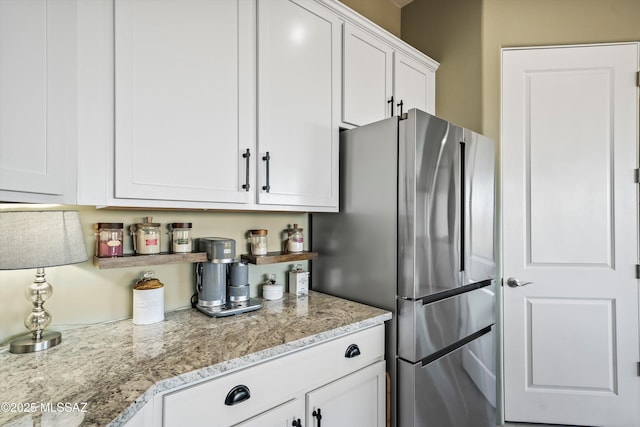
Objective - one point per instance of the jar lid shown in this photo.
(295, 228)
(110, 225)
(180, 225)
(148, 282)
(259, 232)
(147, 223)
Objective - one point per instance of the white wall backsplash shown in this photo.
(84, 294)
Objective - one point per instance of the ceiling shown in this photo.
(401, 3)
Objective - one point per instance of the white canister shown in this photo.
(272, 290)
(148, 300)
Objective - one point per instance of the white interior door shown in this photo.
(570, 226)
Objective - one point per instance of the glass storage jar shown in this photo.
(146, 237)
(109, 237)
(295, 240)
(258, 240)
(180, 237)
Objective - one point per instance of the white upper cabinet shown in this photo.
(382, 76)
(298, 103)
(204, 104)
(414, 85)
(183, 100)
(367, 77)
(38, 101)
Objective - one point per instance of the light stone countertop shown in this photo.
(103, 374)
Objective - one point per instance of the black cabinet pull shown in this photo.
(401, 104)
(246, 156)
(238, 394)
(297, 423)
(390, 101)
(266, 159)
(317, 415)
(352, 351)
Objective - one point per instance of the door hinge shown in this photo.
(636, 176)
(637, 271)
(639, 369)
(638, 78)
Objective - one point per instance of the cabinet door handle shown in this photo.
(246, 156)
(317, 415)
(266, 159)
(297, 423)
(238, 394)
(390, 101)
(401, 104)
(352, 351)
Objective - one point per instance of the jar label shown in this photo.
(151, 242)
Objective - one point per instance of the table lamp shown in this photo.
(39, 239)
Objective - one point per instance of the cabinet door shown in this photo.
(285, 415)
(355, 400)
(367, 77)
(38, 100)
(414, 85)
(298, 103)
(183, 107)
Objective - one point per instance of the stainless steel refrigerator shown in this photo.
(416, 235)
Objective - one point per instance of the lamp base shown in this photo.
(27, 344)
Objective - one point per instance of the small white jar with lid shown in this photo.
(272, 290)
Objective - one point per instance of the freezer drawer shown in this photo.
(424, 329)
(458, 389)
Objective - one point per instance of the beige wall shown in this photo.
(450, 33)
(508, 23)
(382, 12)
(466, 36)
(83, 294)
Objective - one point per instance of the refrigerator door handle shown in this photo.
(463, 204)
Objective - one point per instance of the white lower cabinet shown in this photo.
(355, 400)
(342, 379)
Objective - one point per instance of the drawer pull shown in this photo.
(352, 351)
(297, 423)
(238, 394)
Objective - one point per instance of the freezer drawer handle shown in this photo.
(297, 423)
(246, 155)
(238, 394)
(317, 415)
(266, 159)
(352, 351)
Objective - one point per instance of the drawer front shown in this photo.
(433, 326)
(268, 384)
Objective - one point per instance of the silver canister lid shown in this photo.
(218, 249)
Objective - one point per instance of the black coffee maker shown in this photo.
(222, 283)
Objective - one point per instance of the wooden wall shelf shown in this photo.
(275, 257)
(142, 260)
